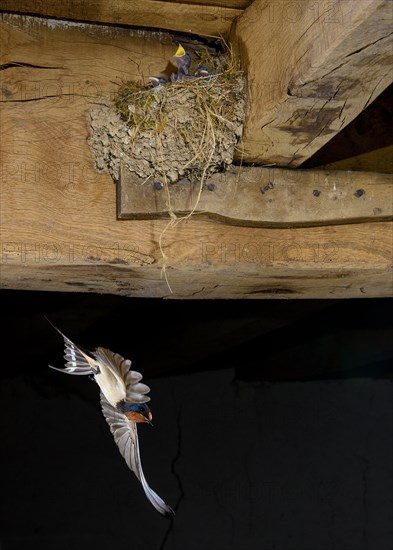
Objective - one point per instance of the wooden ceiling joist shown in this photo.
(58, 214)
(204, 18)
(312, 68)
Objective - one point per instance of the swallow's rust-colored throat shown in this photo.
(138, 417)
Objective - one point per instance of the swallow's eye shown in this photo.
(142, 409)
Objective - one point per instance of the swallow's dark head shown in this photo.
(137, 412)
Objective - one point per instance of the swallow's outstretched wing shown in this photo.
(126, 436)
(110, 370)
(116, 376)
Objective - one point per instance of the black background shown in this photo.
(273, 424)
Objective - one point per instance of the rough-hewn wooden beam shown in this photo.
(58, 227)
(238, 4)
(265, 197)
(312, 67)
(96, 254)
(205, 18)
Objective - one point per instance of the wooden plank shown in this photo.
(265, 197)
(208, 18)
(205, 260)
(313, 66)
(58, 227)
(36, 66)
(238, 4)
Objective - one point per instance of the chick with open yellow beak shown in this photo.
(183, 62)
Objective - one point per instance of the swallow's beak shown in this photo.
(149, 418)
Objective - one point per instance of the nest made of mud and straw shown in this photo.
(189, 128)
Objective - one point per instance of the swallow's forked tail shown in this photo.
(77, 361)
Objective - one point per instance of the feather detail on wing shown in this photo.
(77, 361)
(126, 437)
(120, 369)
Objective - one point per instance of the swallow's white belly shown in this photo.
(111, 386)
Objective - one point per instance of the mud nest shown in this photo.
(187, 129)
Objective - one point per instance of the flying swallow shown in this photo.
(183, 62)
(123, 402)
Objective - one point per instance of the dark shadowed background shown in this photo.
(272, 425)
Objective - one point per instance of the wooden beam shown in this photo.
(58, 227)
(264, 197)
(313, 66)
(238, 4)
(82, 254)
(204, 18)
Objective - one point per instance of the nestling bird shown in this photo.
(183, 62)
(123, 402)
(157, 81)
(200, 71)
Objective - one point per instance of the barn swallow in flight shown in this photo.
(123, 402)
(183, 62)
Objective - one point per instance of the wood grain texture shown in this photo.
(206, 18)
(238, 4)
(313, 67)
(264, 197)
(58, 215)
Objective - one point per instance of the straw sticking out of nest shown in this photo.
(188, 128)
